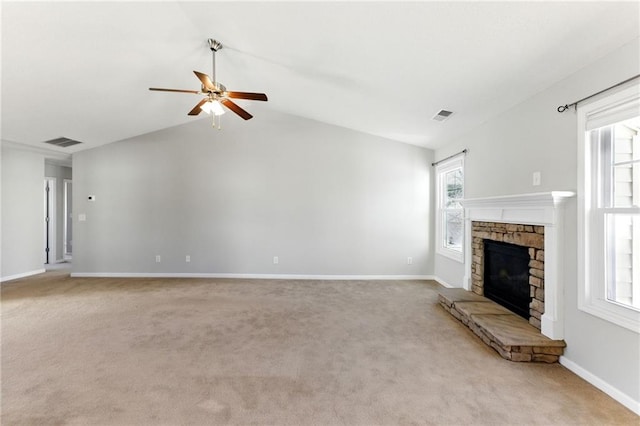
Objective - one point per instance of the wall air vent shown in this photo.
(442, 115)
(62, 142)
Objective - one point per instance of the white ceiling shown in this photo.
(82, 69)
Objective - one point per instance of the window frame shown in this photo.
(592, 231)
(442, 169)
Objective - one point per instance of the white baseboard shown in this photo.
(441, 281)
(245, 276)
(22, 275)
(605, 387)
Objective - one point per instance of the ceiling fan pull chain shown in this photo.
(213, 120)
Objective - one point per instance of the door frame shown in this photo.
(68, 216)
(50, 225)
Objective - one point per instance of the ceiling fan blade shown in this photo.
(173, 90)
(196, 109)
(247, 95)
(206, 81)
(235, 108)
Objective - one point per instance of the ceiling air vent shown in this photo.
(442, 115)
(62, 142)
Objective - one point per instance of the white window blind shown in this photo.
(623, 109)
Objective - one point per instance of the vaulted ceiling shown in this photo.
(82, 69)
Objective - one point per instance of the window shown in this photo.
(609, 203)
(450, 216)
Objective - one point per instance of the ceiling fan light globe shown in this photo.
(212, 107)
(216, 108)
(207, 107)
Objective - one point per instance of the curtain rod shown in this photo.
(464, 151)
(563, 108)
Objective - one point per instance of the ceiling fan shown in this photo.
(215, 94)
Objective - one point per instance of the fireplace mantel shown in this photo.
(531, 209)
(541, 209)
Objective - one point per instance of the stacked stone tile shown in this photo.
(529, 236)
(507, 333)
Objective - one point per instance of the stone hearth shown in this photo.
(509, 334)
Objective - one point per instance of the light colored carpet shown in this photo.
(267, 352)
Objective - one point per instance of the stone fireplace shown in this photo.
(507, 266)
(532, 221)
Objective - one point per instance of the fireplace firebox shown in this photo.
(506, 276)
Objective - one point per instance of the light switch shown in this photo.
(82, 217)
(536, 178)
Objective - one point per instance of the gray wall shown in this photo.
(60, 173)
(532, 136)
(324, 199)
(22, 212)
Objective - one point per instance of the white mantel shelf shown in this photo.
(543, 209)
(535, 209)
(546, 198)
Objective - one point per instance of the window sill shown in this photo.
(451, 254)
(628, 318)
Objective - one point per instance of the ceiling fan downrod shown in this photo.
(214, 45)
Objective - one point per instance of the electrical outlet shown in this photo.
(157, 258)
(275, 260)
(409, 260)
(187, 259)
